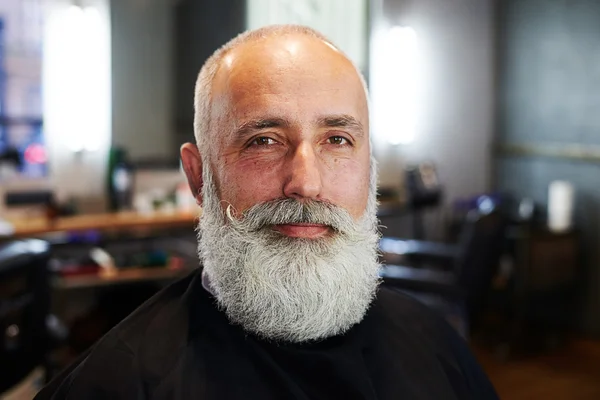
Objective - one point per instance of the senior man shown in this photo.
(287, 305)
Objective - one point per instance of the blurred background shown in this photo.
(485, 123)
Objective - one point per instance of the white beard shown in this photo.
(284, 288)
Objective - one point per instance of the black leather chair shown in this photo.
(419, 253)
(25, 337)
(458, 294)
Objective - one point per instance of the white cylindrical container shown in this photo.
(561, 199)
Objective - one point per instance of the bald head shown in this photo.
(255, 59)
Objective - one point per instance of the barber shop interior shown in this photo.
(300, 199)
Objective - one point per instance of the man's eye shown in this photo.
(338, 140)
(262, 141)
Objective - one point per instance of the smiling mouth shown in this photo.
(303, 230)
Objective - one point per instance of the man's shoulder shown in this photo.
(410, 317)
(141, 345)
(164, 313)
(414, 329)
(399, 306)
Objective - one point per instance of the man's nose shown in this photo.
(304, 175)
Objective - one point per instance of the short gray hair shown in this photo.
(203, 90)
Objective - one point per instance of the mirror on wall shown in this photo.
(157, 50)
(159, 46)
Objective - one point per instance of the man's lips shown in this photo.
(301, 230)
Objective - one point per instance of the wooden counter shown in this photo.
(123, 276)
(131, 220)
(104, 222)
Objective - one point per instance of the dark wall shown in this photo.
(142, 67)
(549, 95)
(201, 27)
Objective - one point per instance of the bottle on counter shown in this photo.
(120, 181)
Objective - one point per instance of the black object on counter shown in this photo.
(120, 180)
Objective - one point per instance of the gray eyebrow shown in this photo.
(342, 121)
(260, 123)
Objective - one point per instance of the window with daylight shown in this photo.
(22, 145)
(330, 17)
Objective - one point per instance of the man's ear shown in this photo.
(192, 165)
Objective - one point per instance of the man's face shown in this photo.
(295, 258)
(290, 123)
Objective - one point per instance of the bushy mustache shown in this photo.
(291, 211)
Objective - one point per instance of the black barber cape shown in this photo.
(179, 345)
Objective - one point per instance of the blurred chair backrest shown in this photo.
(24, 306)
(481, 246)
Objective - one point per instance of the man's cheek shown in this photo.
(250, 186)
(349, 189)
